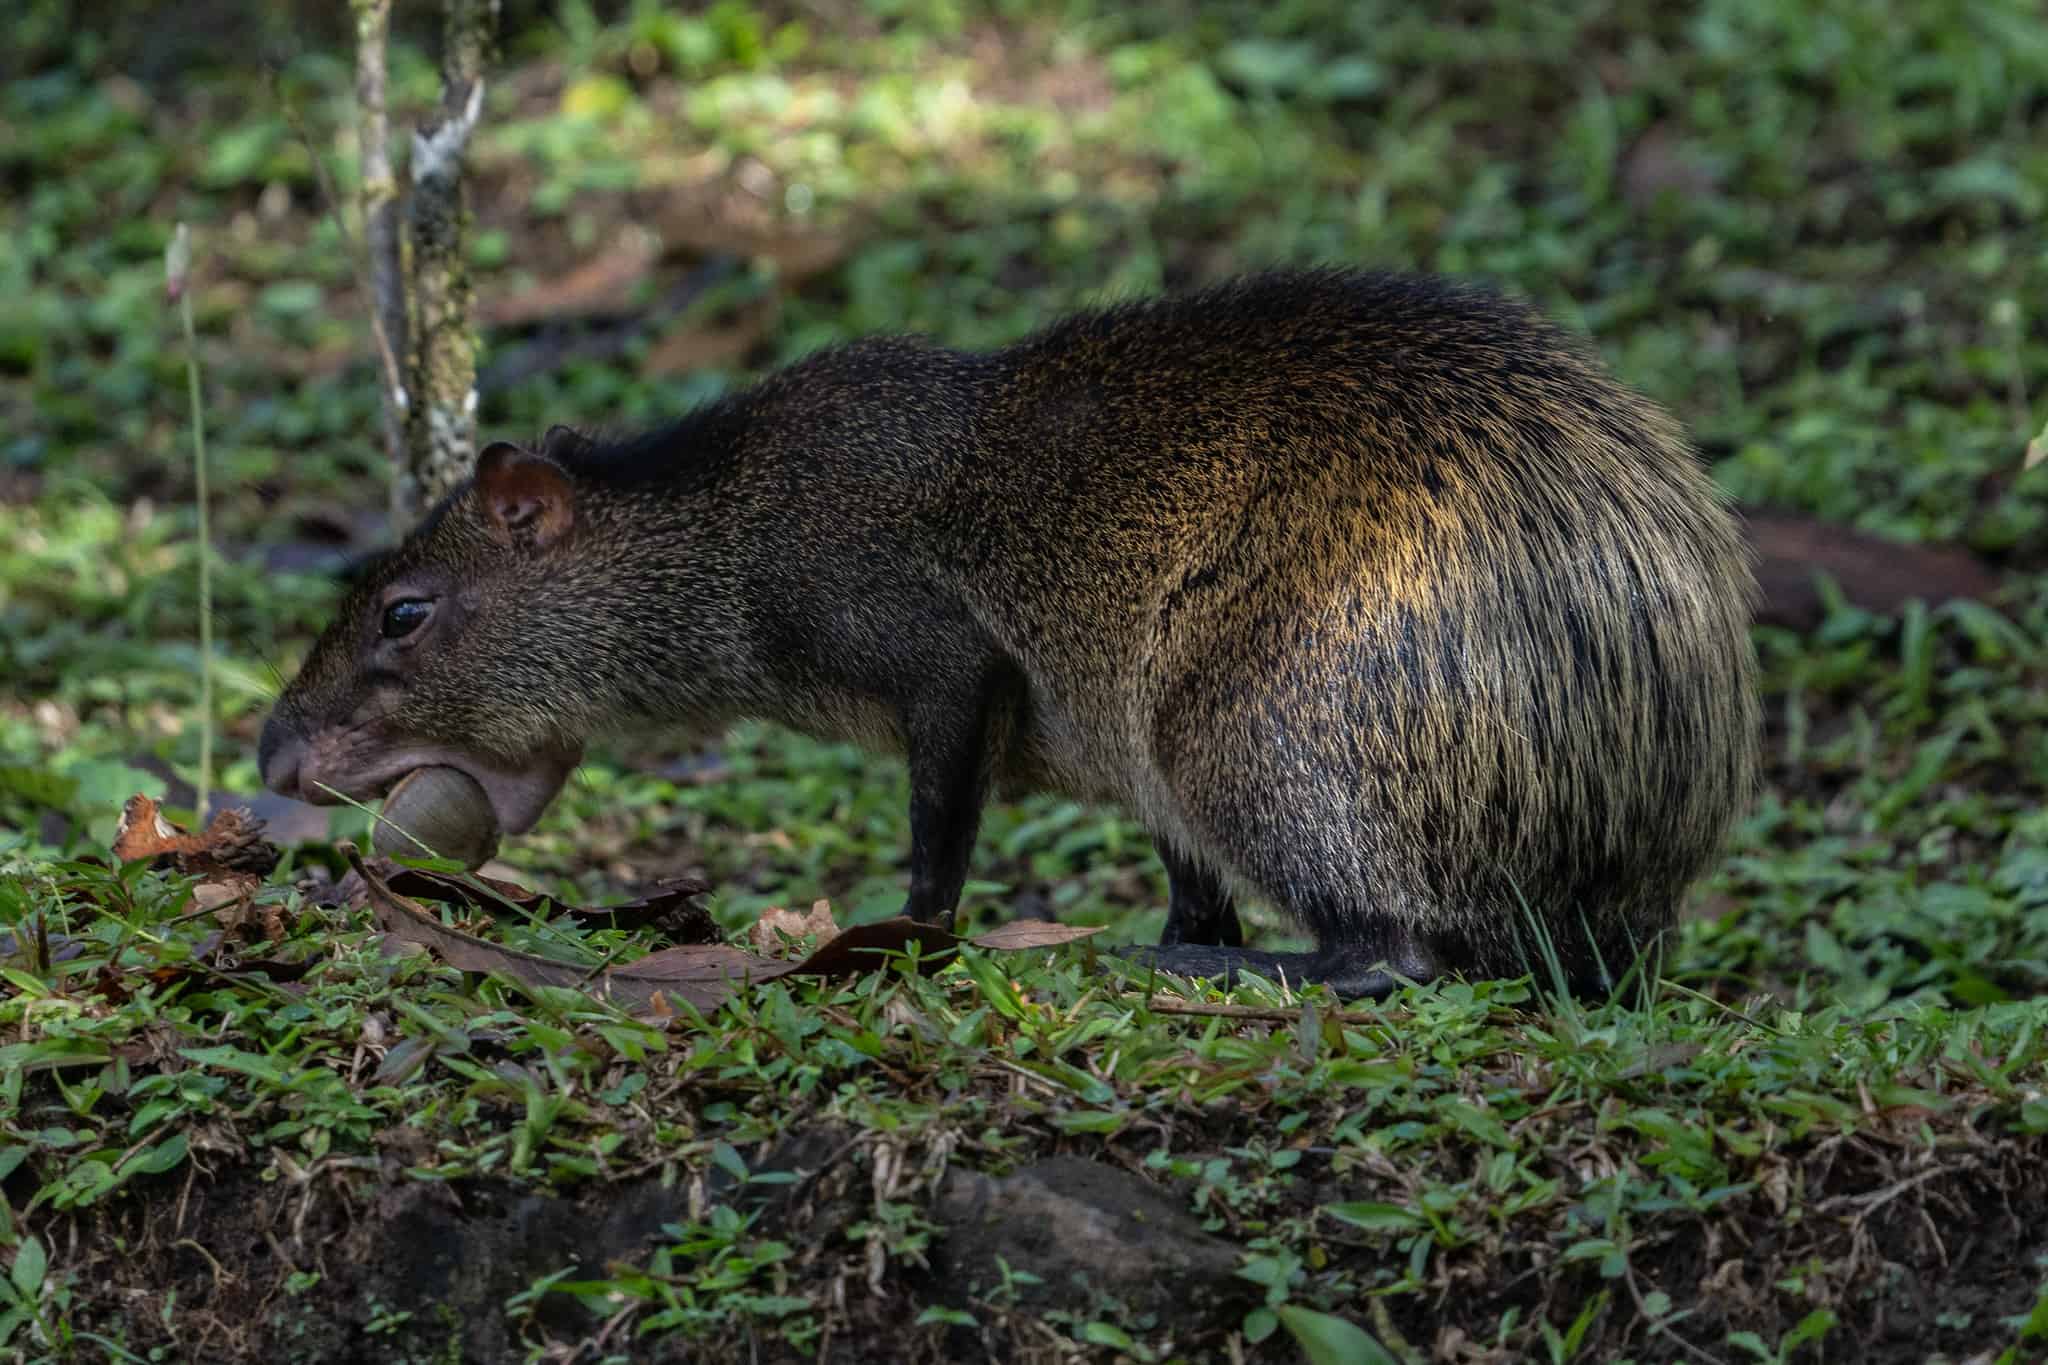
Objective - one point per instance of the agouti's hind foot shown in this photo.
(1347, 974)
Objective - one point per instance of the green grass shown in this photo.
(1812, 230)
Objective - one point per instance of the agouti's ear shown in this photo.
(526, 499)
(562, 442)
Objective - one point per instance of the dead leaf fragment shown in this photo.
(231, 856)
(1021, 935)
(228, 899)
(703, 974)
(666, 906)
(1873, 572)
(409, 923)
(772, 933)
(233, 842)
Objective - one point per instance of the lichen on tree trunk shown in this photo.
(440, 434)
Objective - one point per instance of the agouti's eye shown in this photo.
(403, 618)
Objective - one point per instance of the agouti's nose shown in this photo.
(279, 753)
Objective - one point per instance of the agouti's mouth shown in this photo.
(355, 764)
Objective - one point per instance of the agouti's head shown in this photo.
(464, 648)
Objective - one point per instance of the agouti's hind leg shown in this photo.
(1354, 973)
(1199, 907)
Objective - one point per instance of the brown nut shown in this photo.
(441, 811)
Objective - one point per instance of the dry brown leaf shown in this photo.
(212, 957)
(1019, 935)
(771, 934)
(226, 890)
(860, 948)
(665, 905)
(231, 857)
(233, 842)
(1873, 572)
(407, 922)
(145, 833)
(229, 898)
(704, 974)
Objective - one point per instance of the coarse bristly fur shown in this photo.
(1370, 595)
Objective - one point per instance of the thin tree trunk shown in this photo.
(380, 206)
(441, 419)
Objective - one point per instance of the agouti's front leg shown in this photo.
(953, 737)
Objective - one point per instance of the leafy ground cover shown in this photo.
(1813, 230)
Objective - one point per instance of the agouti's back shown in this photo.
(1369, 595)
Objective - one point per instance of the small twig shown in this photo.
(191, 1182)
(1389, 1333)
(803, 1186)
(221, 1277)
(597, 969)
(1004, 1064)
(1868, 1203)
(613, 1323)
(284, 1258)
(1747, 1018)
(1547, 1111)
(1635, 1292)
(1934, 1234)
(145, 1140)
(1166, 1004)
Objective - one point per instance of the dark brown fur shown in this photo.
(1368, 595)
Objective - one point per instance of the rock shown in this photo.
(1087, 1231)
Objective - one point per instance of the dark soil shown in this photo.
(1917, 1249)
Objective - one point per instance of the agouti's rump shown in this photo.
(1368, 595)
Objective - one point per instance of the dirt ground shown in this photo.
(1920, 1254)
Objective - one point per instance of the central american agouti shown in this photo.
(1369, 595)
